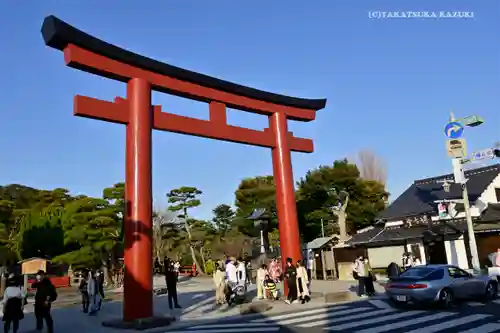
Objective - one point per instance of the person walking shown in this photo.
(359, 274)
(291, 280)
(44, 297)
(100, 288)
(302, 283)
(82, 288)
(261, 277)
(171, 281)
(13, 304)
(275, 270)
(93, 292)
(370, 278)
(242, 273)
(220, 284)
(231, 278)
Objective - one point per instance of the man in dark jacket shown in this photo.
(82, 288)
(45, 295)
(100, 287)
(171, 281)
(291, 280)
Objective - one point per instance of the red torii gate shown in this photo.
(142, 75)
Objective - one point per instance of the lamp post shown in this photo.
(261, 222)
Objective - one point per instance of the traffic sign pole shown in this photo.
(458, 171)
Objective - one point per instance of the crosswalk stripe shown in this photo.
(298, 314)
(497, 301)
(450, 324)
(322, 316)
(235, 325)
(380, 304)
(229, 329)
(373, 320)
(487, 328)
(402, 324)
(350, 318)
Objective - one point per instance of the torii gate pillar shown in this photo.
(286, 206)
(138, 298)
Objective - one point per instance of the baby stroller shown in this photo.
(236, 294)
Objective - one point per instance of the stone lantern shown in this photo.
(261, 221)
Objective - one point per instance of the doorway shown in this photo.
(436, 253)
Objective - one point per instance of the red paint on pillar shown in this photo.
(285, 194)
(138, 283)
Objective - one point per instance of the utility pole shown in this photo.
(457, 150)
(322, 228)
(458, 171)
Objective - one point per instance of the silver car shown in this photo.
(441, 284)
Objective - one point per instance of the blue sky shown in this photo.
(390, 85)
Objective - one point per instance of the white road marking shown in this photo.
(402, 324)
(450, 324)
(376, 320)
(229, 329)
(487, 328)
(349, 318)
(325, 315)
(380, 304)
(298, 314)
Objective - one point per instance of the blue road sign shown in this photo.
(453, 130)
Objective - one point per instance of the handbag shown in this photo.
(355, 275)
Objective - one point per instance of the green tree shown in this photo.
(181, 200)
(91, 229)
(315, 198)
(252, 193)
(223, 218)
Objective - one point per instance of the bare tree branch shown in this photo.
(371, 166)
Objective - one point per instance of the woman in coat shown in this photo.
(13, 304)
(93, 292)
(302, 283)
(220, 284)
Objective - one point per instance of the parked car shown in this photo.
(442, 284)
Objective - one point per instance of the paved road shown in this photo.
(363, 317)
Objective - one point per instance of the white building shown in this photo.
(412, 223)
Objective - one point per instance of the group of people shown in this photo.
(362, 272)
(232, 277)
(15, 298)
(91, 289)
(295, 276)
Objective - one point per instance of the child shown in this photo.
(270, 287)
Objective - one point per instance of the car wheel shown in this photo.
(446, 298)
(491, 291)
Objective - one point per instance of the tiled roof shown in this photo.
(419, 198)
(318, 243)
(382, 235)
